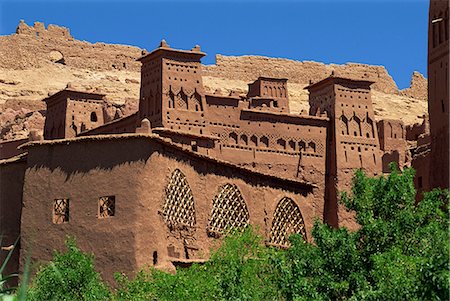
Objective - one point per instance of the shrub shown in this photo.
(69, 276)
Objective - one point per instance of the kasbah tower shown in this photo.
(160, 186)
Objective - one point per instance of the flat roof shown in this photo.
(272, 78)
(334, 79)
(162, 49)
(97, 96)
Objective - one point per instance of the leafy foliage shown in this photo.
(239, 269)
(69, 276)
(4, 289)
(400, 251)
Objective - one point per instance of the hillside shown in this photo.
(38, 61)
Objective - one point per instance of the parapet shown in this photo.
(346, 81)
(164, 48)
(38, 30)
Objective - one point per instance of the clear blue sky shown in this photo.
(390, 33)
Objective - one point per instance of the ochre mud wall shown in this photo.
(136, 171)
(11, 186)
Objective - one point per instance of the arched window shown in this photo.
(254, 140)
(343, 125)
(196, 101)
(312, 147)
(233, 138)
(355, 126)
(171, 100)
(281, 143)
(302, 145)
(179, 209)
(264, 141)
(94, 117)
(292, 145)
(368, 128)
(229, 211)
(182, 100)
(244, 139)
(287, 220)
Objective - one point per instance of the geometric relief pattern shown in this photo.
(179, 210)
(229, 211)
(106, 206)
(287, 220)
(61, 211)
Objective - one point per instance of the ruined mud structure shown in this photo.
(159, 186)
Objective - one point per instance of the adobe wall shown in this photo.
(205, 178)
(136, 170)
(34, 46)
(83, 172)
(418, 87)
(392, 136)
(247, 68)
(11, 186)
(438, 92)
(9, 149)
(413, 132)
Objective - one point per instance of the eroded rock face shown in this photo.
(38, 61)
(418, 87)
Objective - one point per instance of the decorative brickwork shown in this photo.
(179, 209)
(229, 211)
(287, 220)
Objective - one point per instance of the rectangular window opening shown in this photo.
(61, 211)
(106, 206)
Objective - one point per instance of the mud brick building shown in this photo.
(159, 186)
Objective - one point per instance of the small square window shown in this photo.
(61, 211)
(106, 206)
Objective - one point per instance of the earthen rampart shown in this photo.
(247, 68)
(34, 46)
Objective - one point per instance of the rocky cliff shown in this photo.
(38, 61)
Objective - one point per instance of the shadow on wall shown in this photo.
(85, 156)
(388, 158)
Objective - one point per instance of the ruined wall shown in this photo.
(32, 47)
(247, 68)
(418, 87)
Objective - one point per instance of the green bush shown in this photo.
(69, 276)
(238, 270)
(400, 251)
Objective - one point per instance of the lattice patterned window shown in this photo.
(179, 210)
(106, 206)
(229, 211)
(61, 211)
(287, 220)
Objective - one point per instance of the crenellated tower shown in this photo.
(172, 94)
(352, 141)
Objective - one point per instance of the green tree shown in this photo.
(69, 276)
(400, 251)
(238, 270)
